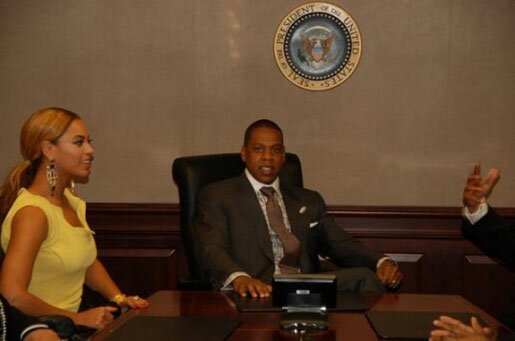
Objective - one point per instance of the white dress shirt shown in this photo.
(481, 211)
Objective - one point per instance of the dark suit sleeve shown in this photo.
(340, 246)
(211, 227)
(17, 321)
(492, 234)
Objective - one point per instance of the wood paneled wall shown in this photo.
(140, 245)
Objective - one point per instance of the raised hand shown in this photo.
(477, 190)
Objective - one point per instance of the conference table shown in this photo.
(265, 325)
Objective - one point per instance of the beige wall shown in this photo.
(155, 80)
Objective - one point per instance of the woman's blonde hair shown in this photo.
(47, 124)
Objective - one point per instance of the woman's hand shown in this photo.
(133, 302)
(95, 318)
(136, 302)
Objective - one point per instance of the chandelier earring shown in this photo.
(72, 186)
(51, 176)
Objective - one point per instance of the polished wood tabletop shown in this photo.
(265, 325)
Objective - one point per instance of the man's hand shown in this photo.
(451, 329)
(256, 288)
(389, 274)
(477, 190)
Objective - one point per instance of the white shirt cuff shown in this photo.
(228, 282)
(32, 328)
(380, 261)
(481, 211)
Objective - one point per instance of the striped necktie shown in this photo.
(291, 245)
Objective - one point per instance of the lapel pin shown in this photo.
(302, 209)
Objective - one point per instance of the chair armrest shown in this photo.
(62, 325)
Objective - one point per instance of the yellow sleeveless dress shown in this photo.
(65, 255)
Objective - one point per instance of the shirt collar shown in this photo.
(256, 185)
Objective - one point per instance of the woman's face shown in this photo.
(73, 153)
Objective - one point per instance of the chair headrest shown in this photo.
(191, 173)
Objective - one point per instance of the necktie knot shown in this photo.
(268, 191)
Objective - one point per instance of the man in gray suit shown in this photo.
(239, 243)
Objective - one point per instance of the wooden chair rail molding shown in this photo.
(140, 245)
(361, 219)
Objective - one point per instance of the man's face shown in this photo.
(264, 154)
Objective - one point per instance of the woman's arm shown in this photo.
(19, 325)
(98, 279)
(29, 229)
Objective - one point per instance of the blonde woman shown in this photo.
(50, 250)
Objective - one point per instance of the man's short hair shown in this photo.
(262, 123)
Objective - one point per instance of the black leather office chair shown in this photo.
(191, 173)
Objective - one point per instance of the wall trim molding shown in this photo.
(361, 221)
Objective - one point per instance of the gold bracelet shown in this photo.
(119, 299)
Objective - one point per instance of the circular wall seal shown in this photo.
(317, 46)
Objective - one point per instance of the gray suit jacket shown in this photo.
(233, 234)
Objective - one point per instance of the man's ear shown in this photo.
(47, 148)
(242, 153)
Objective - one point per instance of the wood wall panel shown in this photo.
(426, 241)
(140, 271)
(411, 265)
(487, 282)
(139, 244)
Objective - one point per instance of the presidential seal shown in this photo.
(317, 46)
